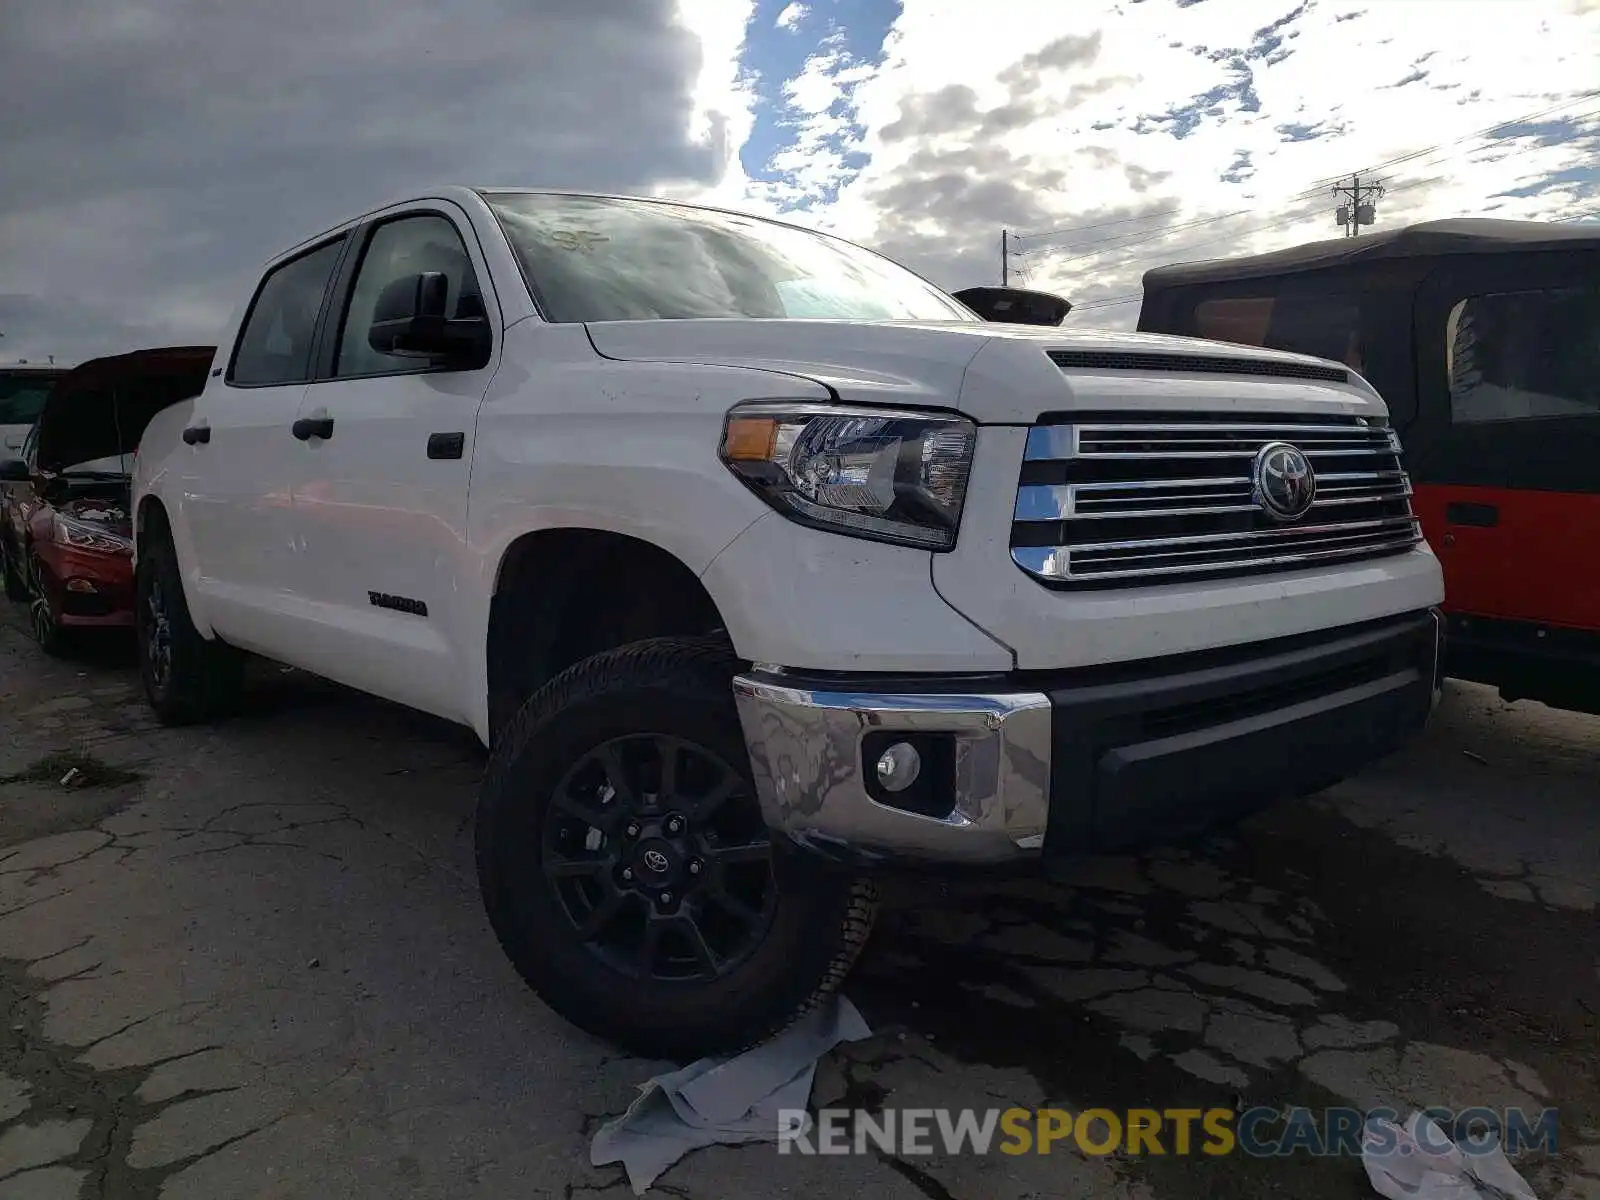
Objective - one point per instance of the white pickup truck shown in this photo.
(761, 565)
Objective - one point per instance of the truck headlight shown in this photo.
(886, 474)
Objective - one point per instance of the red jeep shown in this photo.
(1484, 338)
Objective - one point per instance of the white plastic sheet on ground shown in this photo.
(1419, 1162)
(724, 1101)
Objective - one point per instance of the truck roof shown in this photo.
(1427, 239)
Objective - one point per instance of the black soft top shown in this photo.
(1429, 239)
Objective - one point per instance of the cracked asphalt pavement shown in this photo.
(250, 961)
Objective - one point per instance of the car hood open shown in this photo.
(100, 409)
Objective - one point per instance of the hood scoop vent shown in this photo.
(1198, 364)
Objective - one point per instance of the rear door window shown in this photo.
(276, 341)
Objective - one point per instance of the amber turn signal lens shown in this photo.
(750, 439)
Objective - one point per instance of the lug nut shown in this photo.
(627, 873)
(633, 829)
(674, 825)
(666, 899)
(695, 866)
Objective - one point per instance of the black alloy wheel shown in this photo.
(42, 620)
(627, 869)
(660, 876)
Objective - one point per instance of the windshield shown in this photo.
(22, 396)
(590, 258)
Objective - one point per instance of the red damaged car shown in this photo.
(66, 536)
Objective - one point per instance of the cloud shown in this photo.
(169, 147)
(955, 109)
(166, 148)
(1121, 134)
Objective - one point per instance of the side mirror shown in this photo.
(1015, 306)
(410, 322)
(14, 470)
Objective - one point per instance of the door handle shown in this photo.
(307, 428)
(1483, 516)
(195, 434)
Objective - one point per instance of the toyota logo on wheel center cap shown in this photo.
(1282, 483)
(656, 861)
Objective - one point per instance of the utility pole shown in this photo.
(1358, 207)
(1005, 258)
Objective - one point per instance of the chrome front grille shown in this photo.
(1128, 500)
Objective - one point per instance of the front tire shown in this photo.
(187, 679)
(627, 872)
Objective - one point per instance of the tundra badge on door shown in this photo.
(417, 608)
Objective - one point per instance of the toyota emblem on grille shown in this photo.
(655, 861)
(1282, 483)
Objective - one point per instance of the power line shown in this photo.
(1107, 302)
(1169, 212)
(1487, 132)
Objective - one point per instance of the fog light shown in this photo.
(898, 767)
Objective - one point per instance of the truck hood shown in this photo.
(100, 409)
(999, 374)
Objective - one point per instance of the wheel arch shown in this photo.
(151, 512)
(563, 594)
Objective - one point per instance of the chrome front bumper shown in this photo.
(1105, 761)
(806, 751)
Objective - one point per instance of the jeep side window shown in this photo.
(275, 344)
(1520, 356)
(406, 246)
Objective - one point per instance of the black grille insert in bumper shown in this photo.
(1160, 752)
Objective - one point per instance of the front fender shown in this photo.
(568, 440)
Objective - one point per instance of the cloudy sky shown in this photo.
(157, 150)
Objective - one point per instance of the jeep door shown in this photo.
(1507, 454)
